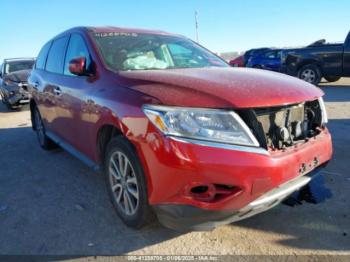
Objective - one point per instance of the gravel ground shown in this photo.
(52, 204)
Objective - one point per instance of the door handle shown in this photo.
(57, 91)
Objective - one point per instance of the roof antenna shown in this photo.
(196, 23)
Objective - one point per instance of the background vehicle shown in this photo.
(268, 59)
(311, 63)
(252, 52)
(174, 128)
(237, 62)
(13, 81)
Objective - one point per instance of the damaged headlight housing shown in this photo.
(203, 124)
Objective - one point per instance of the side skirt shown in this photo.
(71, 150)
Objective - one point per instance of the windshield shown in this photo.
(18, 65)
(131, 51)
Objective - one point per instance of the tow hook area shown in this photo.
(314, 192)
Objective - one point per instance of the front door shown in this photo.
(73, 110)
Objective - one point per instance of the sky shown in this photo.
(223, 25)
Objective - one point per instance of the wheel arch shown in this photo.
(310, 61)
(105, 133)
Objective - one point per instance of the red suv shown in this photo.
(176, 130)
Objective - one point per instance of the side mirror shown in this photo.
(77, 66)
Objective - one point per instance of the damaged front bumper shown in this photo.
(185, 217)
(15, 94)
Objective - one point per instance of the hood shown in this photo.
(220, 87)
(18, 76)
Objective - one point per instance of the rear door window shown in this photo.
(41, 60)
(55, 59)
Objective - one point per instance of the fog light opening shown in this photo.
(204, 193)
(199, 189)
(213, 192)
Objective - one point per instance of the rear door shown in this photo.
(52, 82)
(38, 86)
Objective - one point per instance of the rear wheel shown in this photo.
(310, 73)
(332, 78)
(45, 142)
(126, 183)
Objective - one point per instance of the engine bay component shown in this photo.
(281, 127)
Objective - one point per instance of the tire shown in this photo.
(45, 142)
(332, 78)
(9, 106)
(2, 97)
(310, 73)
(127, 189)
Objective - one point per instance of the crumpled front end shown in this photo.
(200, 184)
(15, 93)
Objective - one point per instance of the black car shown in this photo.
(13, 81)
(317, 60)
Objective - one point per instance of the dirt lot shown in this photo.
(50, 203)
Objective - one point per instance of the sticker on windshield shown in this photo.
(111, 34)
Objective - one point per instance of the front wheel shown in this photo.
(310, 73)
(126, 183)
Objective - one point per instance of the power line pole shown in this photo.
(196, 22)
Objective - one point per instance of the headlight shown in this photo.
(203, 124)
(323, 111)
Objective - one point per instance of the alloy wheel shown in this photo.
(123, 183)
(308, 75)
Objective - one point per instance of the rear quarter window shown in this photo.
(55, 59)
